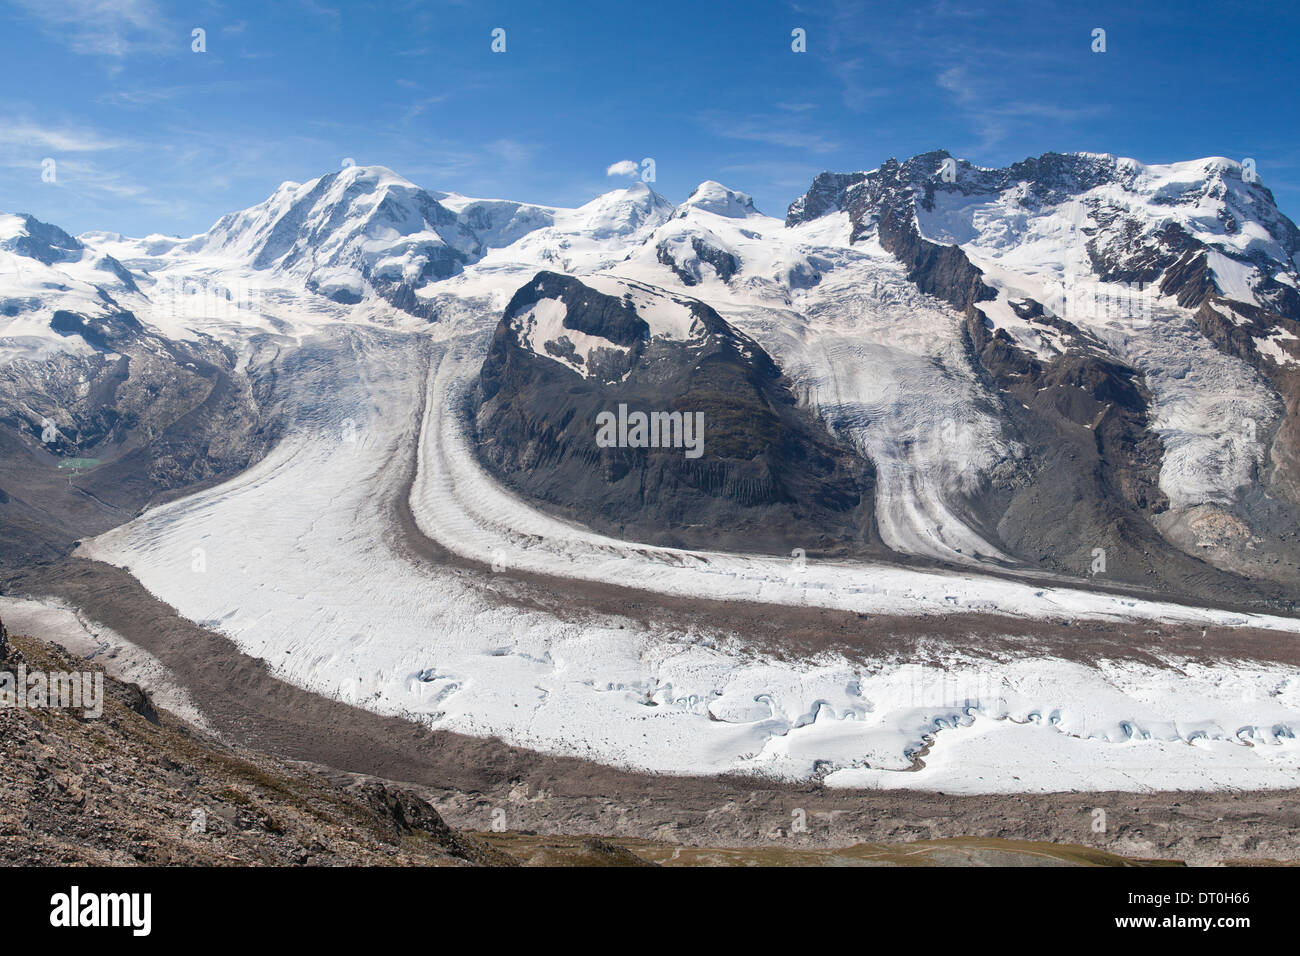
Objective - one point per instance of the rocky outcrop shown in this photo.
(767, 476)
(725, 265)
(1236, 328)
(826, 195)
(139, 787)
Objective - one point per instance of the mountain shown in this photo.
(704, 444)
(88, 392)
(355, 234)
(54, 288)
(1135, 322)
(1077, 364)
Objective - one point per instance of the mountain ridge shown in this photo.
(926, 271)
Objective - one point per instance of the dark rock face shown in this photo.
(1234, 327)
(665, 256)
(341, 296)
(767, 476)
(136, 699)
(883, 201)
(46, 243)
(1094, 472)
(104, 333)
(826, 195)
(400, 295)
(404, 811)
(1188, 278)
(724, 263)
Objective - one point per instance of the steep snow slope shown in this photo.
(363, 221)
(577, 241)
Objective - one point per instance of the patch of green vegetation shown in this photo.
(78, 464)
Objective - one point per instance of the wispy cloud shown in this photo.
(512, 153)
(787, 133)
(421, 105)
(772, 183)
(142, 97)
(65, 139)
(108, 28)
(855, 75)
(91, 176)
(330, 16)
(994, 118)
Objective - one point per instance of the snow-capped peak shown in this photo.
(620, 212)
(56, 292)
(712, 196)
(27, 236)
(336, 219)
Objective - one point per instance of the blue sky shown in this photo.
(149, 136)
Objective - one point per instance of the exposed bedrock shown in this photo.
(766, 476)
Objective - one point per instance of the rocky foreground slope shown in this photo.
(139, 786)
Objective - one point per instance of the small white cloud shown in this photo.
(624, 167)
